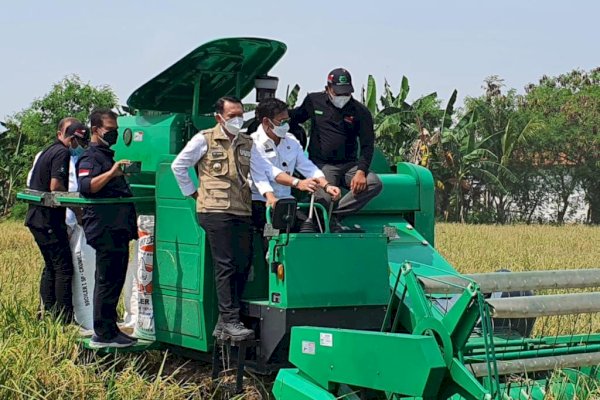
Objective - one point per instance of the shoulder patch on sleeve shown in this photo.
(85, 168)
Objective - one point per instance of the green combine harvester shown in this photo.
(376, 315)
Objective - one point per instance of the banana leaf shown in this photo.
(371, 96)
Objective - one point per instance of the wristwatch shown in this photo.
(295, 182)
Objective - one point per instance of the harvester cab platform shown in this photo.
(378, 314)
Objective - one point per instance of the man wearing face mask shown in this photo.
(276, 154)
(81, 139)
(222, 158)
(108, 227)
(338, 124)
(47, 225)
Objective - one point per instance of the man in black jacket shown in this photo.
(47, 225)
(339, 125)
(108, 227)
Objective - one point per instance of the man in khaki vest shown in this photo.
(222, 157)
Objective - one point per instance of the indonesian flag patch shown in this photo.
(84, 172)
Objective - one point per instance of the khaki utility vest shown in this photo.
(223, 174)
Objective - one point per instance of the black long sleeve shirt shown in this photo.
(335, 133)
(52, 163)
(98, 218)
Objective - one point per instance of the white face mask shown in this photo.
(340, 101)
(233, 125)
(281, 130)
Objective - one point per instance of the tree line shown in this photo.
(502, 157)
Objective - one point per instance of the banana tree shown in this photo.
(505, 129)
(12, 162)
(462, 164)
(399, 123)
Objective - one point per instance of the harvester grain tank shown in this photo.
(379, 314)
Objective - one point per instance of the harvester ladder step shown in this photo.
(222, 346)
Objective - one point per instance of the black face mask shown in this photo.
(110, 137)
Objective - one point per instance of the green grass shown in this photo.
(41, 359)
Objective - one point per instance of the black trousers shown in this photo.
(230, 240)
(341, 175)
(55, 283)
(259, 219)
(112, 257)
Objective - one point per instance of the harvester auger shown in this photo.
(371, 315)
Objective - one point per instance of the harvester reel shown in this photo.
(521, 326)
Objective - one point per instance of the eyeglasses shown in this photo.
(282, 122)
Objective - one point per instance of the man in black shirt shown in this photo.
(47, 225)
(108, 227)
(338, 124)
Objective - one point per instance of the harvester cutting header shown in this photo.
(380, 314)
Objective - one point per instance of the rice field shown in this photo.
(41, 359)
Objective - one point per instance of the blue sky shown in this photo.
(438, 45)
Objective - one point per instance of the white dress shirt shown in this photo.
(268, 160)
(73, 187)
(193, 151)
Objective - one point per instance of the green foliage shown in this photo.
(568, 145)
(504, 157)
(398, 123)
(292, 97)
(18, 211)
(34, 128)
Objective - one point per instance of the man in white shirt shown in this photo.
(276, 154)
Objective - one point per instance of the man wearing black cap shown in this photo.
(338, 124)
(50, 173)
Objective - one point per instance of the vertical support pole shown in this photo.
(238, 89)
(241, 364)
(196, 102)
(216, 365)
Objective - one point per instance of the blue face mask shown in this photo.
(77, 151)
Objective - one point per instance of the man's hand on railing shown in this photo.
(271, 199)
